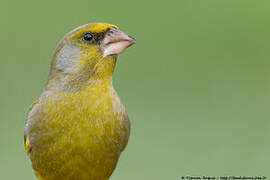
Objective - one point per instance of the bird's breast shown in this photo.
(87, 129)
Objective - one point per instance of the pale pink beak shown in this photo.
(115, 42)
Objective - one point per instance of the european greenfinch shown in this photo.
(78, 127)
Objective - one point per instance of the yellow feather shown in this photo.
(27, 146)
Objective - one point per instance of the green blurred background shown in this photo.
(196, 84)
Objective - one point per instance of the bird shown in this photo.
(78, 127)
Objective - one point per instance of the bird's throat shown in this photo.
(104, 68)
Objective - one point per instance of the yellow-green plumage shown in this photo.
(78, 127)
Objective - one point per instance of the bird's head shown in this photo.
(87, 53)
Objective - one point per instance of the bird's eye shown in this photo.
(88, 37)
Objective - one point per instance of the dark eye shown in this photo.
(87, 37)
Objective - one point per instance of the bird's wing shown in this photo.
(26, 141)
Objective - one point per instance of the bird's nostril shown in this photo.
(113, 30)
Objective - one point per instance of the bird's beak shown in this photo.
(115, 42)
